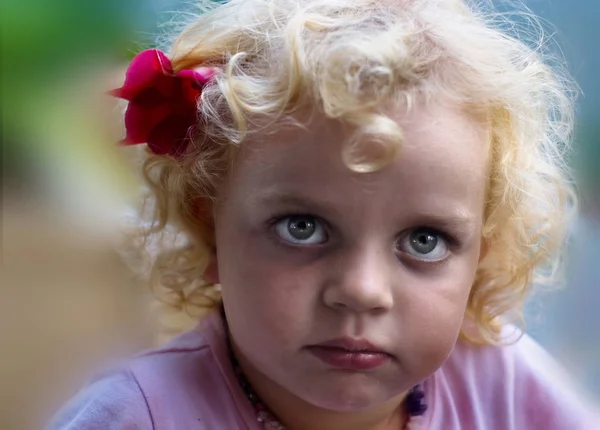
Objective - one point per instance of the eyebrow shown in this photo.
(459, 220)
(275, 196)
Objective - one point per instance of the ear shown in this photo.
(211, 273)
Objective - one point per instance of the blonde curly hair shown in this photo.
(347, 59)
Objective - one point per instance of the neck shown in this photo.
(296, 414)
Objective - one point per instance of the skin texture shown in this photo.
(358, 274)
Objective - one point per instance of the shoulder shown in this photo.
(186, 384)
(113, 402)
(519, 385)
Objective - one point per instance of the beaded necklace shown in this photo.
(413, 403)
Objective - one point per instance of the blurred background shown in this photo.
(68, 303)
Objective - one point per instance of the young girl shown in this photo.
(369, 189)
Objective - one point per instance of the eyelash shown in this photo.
(272, 221)
(452, 241)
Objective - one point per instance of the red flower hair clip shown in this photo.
(162, 108)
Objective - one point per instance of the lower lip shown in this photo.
(349, 360)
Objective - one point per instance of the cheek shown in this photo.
(434, 316)
(265, 295)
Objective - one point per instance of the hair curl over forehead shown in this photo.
(349, 60)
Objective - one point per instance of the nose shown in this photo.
(361, 281)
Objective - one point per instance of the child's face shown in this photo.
(309, 252)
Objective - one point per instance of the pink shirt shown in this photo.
(189, 384)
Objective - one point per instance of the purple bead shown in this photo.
(414, 402)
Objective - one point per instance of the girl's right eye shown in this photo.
(301, 230)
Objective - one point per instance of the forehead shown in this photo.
(443, 159)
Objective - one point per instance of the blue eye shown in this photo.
(424, 244)
(301, 230)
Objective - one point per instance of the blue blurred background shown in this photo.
(66, 304)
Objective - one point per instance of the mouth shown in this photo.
(350, 354)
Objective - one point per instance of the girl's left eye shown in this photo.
(424, 244)
(301, 230)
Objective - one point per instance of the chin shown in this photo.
(346, 397)
(347, 403)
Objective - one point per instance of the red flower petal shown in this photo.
(146, 70)
(123, 93)
(162, 106)
(151, 97)
(170, 136)
(185, 97)
(140, 120)
(200, 75)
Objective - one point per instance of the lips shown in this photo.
(350, 354)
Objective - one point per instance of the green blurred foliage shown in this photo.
(40, 31)
(50, 50)
(42, 41)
